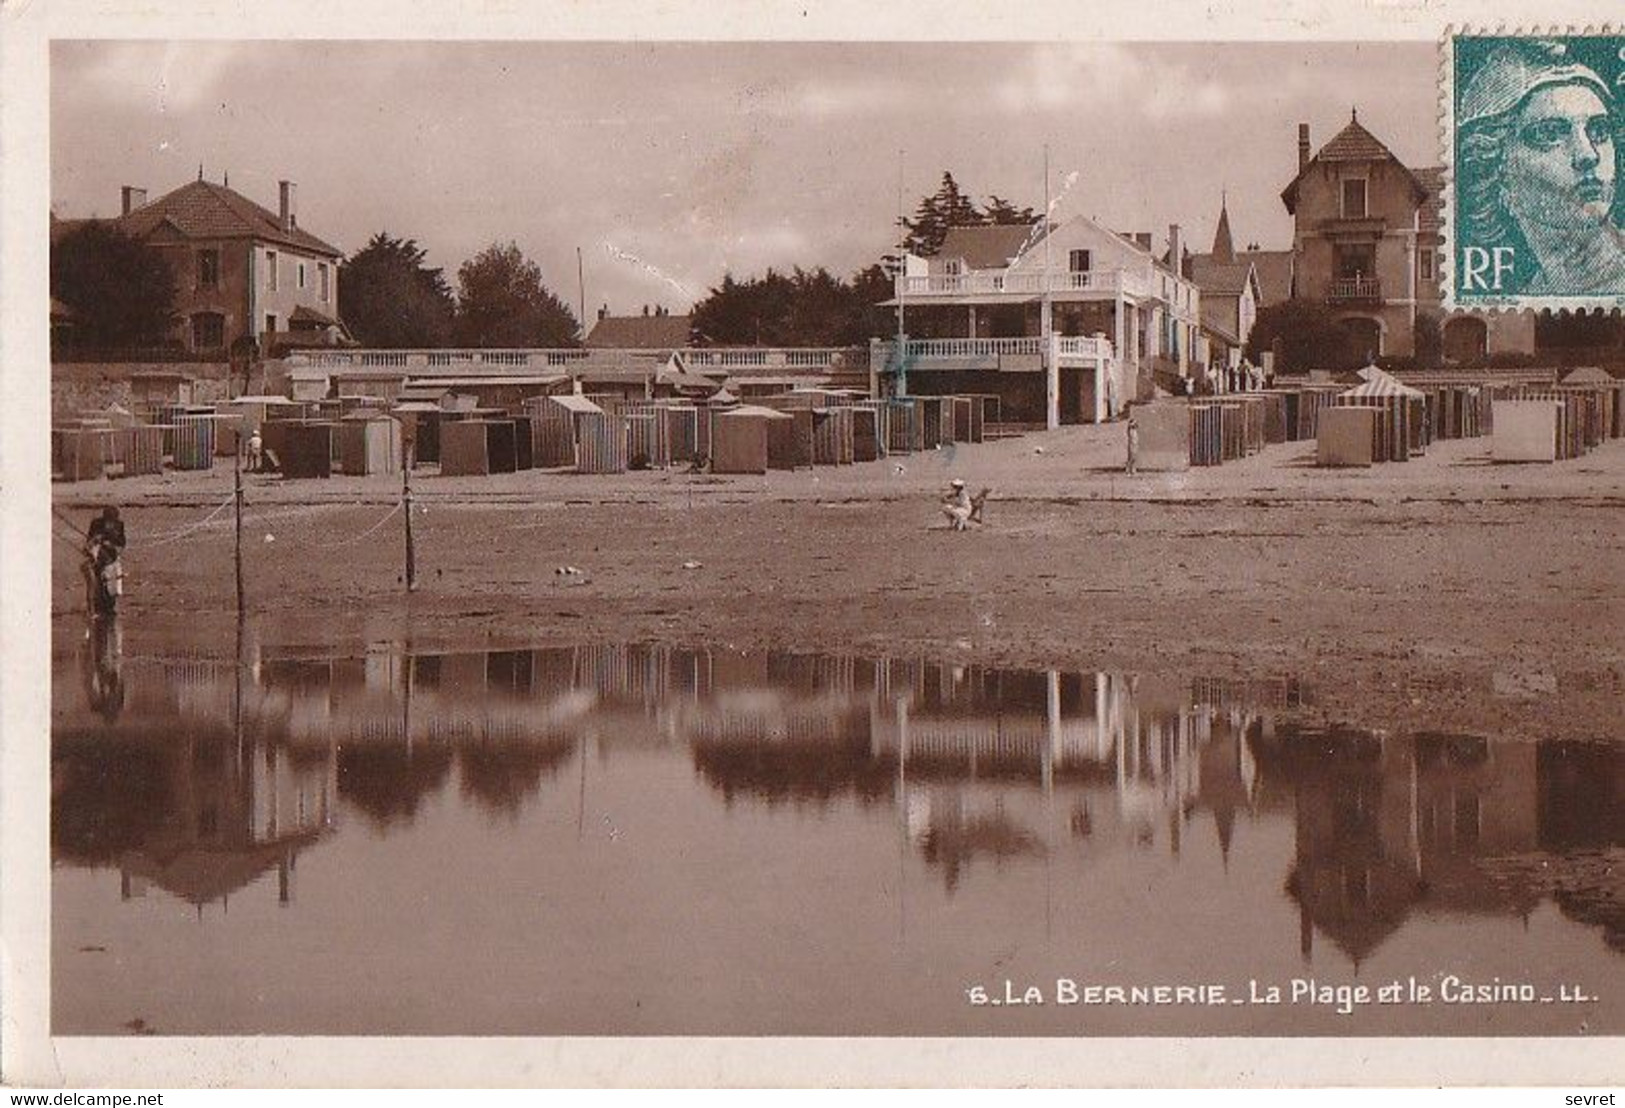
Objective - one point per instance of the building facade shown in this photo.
(1231, 296)
(241, 271)
(1366, 243)
(1066, 324)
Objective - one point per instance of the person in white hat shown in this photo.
(1537, 170)
(956, 505)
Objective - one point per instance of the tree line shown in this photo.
(119, 293)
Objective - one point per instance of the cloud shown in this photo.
(1106, 76)
(170, 76)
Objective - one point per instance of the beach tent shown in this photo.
(369, 444)
(305, 448)
(739, 438)
(1165, 435)
(1403, 429)
(553, 427)
(600, 442)
(472, 447)
(1527, 430)
(1347, 436)
(832, 436)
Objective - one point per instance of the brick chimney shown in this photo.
(286, 215)
(1303, 146)
(132, 198)
(1143, 240)
(603, 311)
(1176, 248)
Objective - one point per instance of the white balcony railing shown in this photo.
(1067, 348)
(1004, 283)
(805, 357)
(1355, 288)
(474, 362)
(1078, 346)
(440, 359)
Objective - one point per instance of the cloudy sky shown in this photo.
(671, 164)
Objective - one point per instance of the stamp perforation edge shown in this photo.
(1449, 306)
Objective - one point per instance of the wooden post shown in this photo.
(238, 499)
(406, 501)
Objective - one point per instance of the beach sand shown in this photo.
(1443, 593)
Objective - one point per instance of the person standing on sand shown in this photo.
(104, 573)
(1133, 463)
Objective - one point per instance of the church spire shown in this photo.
(1224, 249)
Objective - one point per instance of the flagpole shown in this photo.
(1052, 369)
(900, 385)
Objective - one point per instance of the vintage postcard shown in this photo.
(813, 548)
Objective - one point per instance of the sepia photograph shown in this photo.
(780, 539)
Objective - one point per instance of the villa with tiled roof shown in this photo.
(1367, 244)
(241, 270)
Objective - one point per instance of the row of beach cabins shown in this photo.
(1369, 418)
(1379, 419)
(604, 434)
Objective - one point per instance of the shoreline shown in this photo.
(1445, 581)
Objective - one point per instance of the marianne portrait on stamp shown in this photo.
(1537, 172)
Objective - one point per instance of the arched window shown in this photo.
(1365, 336)
(1465, 339)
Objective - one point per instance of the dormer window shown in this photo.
(1354, 206)
(1078, 261)
(954, 267)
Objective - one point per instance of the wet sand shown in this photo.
(1445, 593)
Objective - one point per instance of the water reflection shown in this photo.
(212, 776)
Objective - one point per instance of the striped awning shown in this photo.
(1382, 386)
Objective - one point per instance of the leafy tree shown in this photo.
(120, 292)
(870, 288)
(389, 298)
(799, 308)
(1305, 335)
(1002, 212)
(949, 207)
(502, 302)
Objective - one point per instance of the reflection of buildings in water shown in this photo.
(1581, 818)
(1128, 761)
(192, 810)
(1007, 766)
(1358, 868)
(1390, 825)
(950, 834)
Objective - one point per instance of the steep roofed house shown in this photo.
(1366, 243)
(1231, 294)
(241, 270)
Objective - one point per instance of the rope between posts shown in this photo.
(357, 538)
(191, 528)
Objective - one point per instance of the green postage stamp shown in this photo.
(1534, 212)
